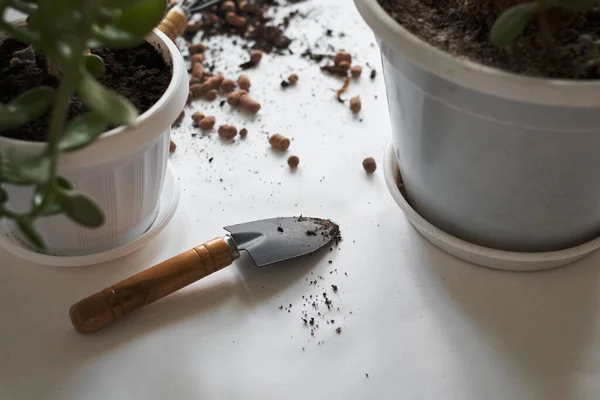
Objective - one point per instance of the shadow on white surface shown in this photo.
(261, 284)
(531, 329)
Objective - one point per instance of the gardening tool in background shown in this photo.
(174, 23)
(267, 241)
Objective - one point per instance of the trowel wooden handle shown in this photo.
(174, 22)
(98, 310)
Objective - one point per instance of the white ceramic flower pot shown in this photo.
(123, 171)
(497, 159)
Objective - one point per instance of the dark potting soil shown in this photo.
(462, 28)
(140, 74)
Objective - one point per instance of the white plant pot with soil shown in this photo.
(123, 171)
(493, 158)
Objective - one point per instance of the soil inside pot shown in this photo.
(462, 28)
(139, 73)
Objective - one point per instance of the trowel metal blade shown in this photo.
(278, 239)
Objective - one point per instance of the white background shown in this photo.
(420, 323)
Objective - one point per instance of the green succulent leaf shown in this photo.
(27, 228)
(24, 169)
(140, 17)
(82, 131)
(80, 208)
(114, 37)
(52, 206)
(30, 105)
(106, 15)
(512, 23)
(63, 183)
(95, 65)
(111, 106)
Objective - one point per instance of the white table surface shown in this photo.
(420, 323)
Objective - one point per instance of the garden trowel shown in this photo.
(267, 241)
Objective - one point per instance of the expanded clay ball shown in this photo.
(196, 90)
(207, 123)
(211, 95)
(192, 27)
(243, 132)
(197, 58)
(227, 131)
(234, 97)
(197, 71)
(228, 6)
(279, 142)
(196, 48)
(293, 161)
(235, 20)
(293, 78)
(342, 56)
(248, 104)
(255, 56)
(344, 66)
(369, 165)
(356, 71)
(228, 85)
(355, 104)
(197, 117)
(213, 83)
(244, 82)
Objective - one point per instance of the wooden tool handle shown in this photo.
(174, 23)
(98, 310)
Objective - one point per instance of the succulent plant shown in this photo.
(66, 31)
(513, 21)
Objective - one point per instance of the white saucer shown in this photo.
(499, 259)
(169, 200)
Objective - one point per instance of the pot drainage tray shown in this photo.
(499, 259)
(169, 200)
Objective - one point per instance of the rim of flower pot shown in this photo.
(475, 76)
(171, 103)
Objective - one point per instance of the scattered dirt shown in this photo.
(327, 228)
(462, 28)
(126, 71)
(258, 28)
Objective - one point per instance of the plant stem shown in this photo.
(57, 124)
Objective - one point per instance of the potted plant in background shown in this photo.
(93, 181)
(494, 106)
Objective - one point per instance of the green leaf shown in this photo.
(115, 38)
(113, 107)
(512, 23)
(24, 169)
(26, 227)
(24, 6)
(139, 18)
(63, 183)
(52, 206)
(95, 65)
(82, 131)
(81, 208)
(30, 105)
